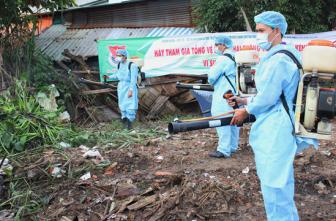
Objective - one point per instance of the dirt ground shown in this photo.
(172, 178)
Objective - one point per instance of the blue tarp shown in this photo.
(204, 99)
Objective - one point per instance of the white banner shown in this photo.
(194, 54)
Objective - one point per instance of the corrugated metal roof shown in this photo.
(48, 36)
(140, 14)
(166, 32)
(82, 42)
(98, 3)
(88, 2)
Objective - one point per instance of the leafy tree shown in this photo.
(24, 123)
(18, 17)
(216, 15)
(303, 16)
(18, 20)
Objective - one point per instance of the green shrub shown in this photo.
(25, 123)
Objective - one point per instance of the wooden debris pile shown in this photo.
(98, 101)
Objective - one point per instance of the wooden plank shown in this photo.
(166, 206)
(85, 72)
(184, 98)
(90, 114)
(148, 96)
(158, 106)
(142, 203)
(86, 81)
(202, 76)
(169, 89)
(99, 91)
(170, 79)
(169, 108)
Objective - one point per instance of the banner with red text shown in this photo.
(192, 54)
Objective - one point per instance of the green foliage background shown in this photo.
(303, 16)
(24, 124)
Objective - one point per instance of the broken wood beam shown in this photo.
(64, 66)
(157, 107)
(78, 59)
(90, 115)
(164, 174)
(85, 72)
(142, 203)
(166, 80)
(166, 206)
(99, 91)
(161, 106)
(86, 81)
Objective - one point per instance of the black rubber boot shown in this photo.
(129, 124)
(217, 154)
(124, 122)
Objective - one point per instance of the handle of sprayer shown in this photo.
(228, 94)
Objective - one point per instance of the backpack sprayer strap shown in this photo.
(227, 78)
(282, 96)
(129, 65)
(140, 74)
(285, 104)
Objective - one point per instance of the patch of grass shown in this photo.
(25, 197)
(117, 136)
(22, 199)
(28, 196)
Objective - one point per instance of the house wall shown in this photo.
(150, 13)
(44, 22)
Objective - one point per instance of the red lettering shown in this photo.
(158, 53)
(185, 51)
(205, 63)
(300, 47)
(212, 62)
(173, 52)
(209, 63)
(198, 50)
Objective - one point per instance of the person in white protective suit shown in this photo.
(127, 88)
(272, 139)
(222, 76)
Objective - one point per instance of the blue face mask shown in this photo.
(262, 41)
(219, 52)
(118, 59)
